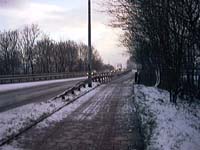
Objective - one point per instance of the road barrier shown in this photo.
(39, 77)
(98, 77)
(102, 77)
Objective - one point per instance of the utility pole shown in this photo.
(89, 46)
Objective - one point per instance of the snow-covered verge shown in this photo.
(167, 126)
(16, 120)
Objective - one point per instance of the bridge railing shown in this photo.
(98, 77)
(39, 77)
(101, 77)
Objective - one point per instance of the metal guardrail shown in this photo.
(102, 77)
(98, 77)
(38, 77)
(42, 77)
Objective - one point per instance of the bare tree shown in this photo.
(28, 39)
(45, 62)
(24, 52)
(161, 35)
(10, 56)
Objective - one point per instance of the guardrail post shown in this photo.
(73, 91)
(63, 97)
(84, 85)
(79, 88)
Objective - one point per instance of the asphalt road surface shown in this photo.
(105, 121)
(18, 97)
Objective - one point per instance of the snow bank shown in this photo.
(167, 126)
(15, 120)
(14, 86)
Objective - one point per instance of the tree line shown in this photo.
(28, 51)
(162, 36)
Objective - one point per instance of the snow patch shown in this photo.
(66, 111)
(14, 120)
(92, 110)
(166, 125)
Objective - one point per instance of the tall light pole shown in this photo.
(89, 46)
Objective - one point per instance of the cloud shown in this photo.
(65, 23)
(13, 3)
(107, 42)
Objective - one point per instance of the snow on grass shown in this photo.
(167, 126)
(15, 120)
(14, 86)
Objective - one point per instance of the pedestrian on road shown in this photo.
(136, 77)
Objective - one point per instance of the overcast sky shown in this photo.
(65, 19)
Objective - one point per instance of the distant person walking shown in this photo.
(137, 77)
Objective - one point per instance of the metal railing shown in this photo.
(39, 77)
(102, 77)
(99, 76)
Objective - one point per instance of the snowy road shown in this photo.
(103, 119)
(14, 95)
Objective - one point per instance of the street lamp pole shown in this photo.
(89, 46)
